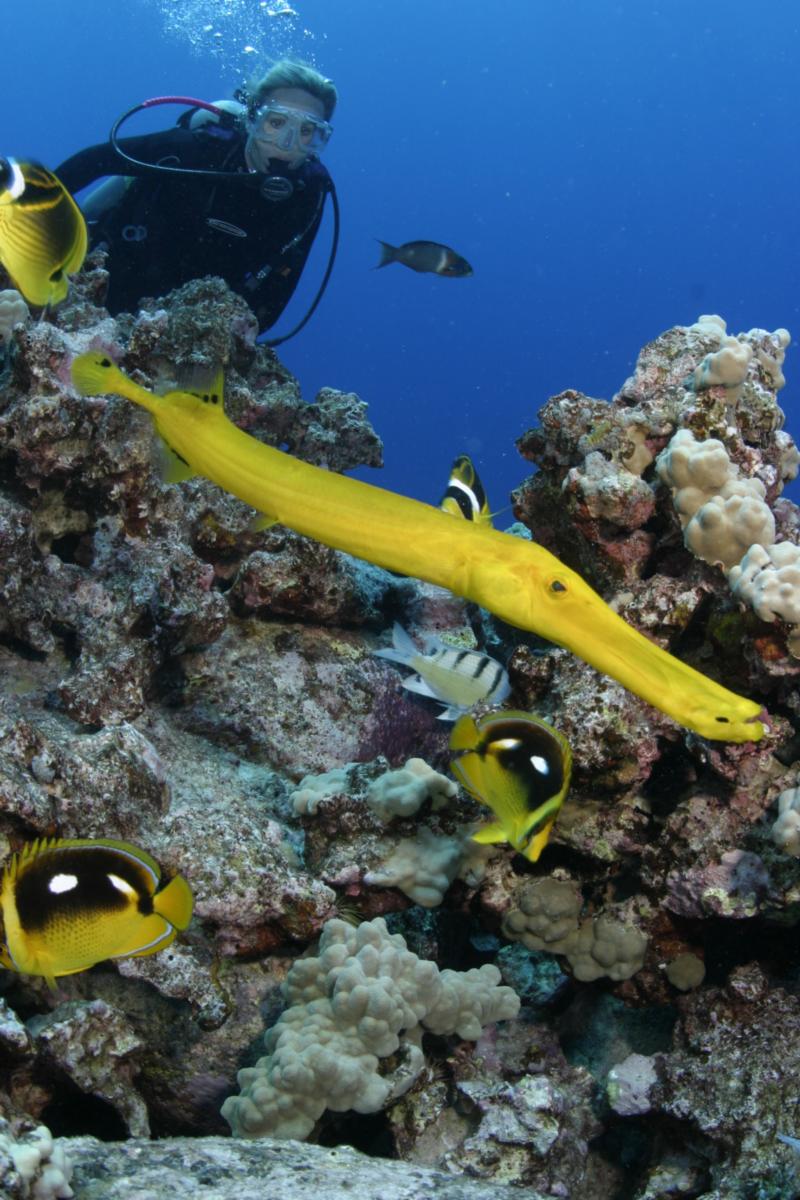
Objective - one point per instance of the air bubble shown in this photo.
(226, 30)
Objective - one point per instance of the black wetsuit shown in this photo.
(168, 229)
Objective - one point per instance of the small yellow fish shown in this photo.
(520, 767)
(43, 237)
(70, 903)
(464, 496)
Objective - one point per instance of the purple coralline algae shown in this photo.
(174, 674)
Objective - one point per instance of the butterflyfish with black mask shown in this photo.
(70, 903)
(43, 237)
(517, 580)
(519, 767)
(464, 495)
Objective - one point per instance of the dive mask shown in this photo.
(289, 129)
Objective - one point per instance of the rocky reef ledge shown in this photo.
(230, 1169)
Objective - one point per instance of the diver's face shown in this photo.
(282, 136)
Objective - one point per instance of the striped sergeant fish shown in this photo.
(458, 679)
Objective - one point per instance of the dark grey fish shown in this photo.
(432, 257)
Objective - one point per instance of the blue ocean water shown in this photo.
(610, 168)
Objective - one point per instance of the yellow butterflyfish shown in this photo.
(517, 580)
(43, 236)
(464, 495)
(68, 903)
(519, 767)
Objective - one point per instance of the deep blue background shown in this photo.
(610, 169)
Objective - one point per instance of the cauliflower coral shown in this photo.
(364, 998)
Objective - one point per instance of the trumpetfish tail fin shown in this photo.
(94, 374)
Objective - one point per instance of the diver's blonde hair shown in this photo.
(290, 73)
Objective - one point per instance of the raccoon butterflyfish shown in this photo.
(457, 678)
(43, 236)
(69, 903)
(519, 767)
(427, 257)
(518, 580)
(464, 495)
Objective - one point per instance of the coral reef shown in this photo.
(173, 675)
(520, 1114)
(725, 1080)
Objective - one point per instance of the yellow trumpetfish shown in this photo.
(518, 580)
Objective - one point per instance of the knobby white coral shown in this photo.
(786, 830)
(547, 918)
(771, 354)
(727, 523)
(722, 514)
(546, 915)
(35, 1166)
(727, 366)
(401, 793)
(313, 789)
(605, 946)
(397, 793)
(768, 579)
(789, 464)
(13, 311)
(423, 866)
(364, 998)
(695, 471)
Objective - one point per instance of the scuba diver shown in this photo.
(234, 189)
